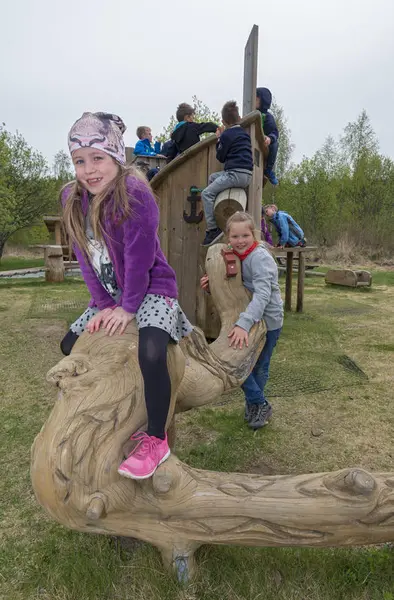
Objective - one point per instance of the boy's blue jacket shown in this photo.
(234, 149)
(144, 148)
(269, 124)
(289, 231)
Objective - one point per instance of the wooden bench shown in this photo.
(298, 252)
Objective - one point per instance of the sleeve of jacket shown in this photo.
(222, 146)
(270, 127)
(284, 228)
(206, 127)
(172, 151)
(262, 266)
(139, 239)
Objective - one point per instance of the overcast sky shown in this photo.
(324, 60)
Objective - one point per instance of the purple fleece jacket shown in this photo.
(134, 248)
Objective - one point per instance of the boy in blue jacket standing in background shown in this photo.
(271, 133)
(234, 149)
(289, 232)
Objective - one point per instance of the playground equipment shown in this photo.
(349, 278)
(178, 188)
(101, 404)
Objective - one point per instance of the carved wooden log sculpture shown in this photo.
(76, 455)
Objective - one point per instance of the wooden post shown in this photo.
(301, 281)
(250, 72)
(289, 279)
(255, 190)
(53, 256)
(58, 233)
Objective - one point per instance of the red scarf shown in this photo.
(248, 251)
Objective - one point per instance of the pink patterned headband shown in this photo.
(102, 131)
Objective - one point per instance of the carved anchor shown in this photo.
(193, 199)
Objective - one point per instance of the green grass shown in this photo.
(10, 263)
(332, 371)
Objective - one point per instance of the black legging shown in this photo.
(152, 357)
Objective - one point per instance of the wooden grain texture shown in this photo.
(53, 260)
(289, 280)
(300, 282)
(250, 72)
(227, 203)
(349, 278)
(75, 456)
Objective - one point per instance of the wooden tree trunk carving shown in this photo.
(76, 455)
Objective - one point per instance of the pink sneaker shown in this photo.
(147, 455)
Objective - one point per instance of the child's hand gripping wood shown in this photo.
(204, 283)
(238, 337)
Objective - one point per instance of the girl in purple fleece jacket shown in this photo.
(112, 219)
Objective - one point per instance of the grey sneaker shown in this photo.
(260, 416)
(250, 409)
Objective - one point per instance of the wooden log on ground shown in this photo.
(227, 203)
(53, 259)
(349, 278)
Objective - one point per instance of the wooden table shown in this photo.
(290, 253)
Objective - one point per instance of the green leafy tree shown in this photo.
(202, 114)
(359, 140)
(26, 190)
(62, 167)
(286, 146)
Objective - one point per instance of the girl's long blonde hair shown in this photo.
(119, 209)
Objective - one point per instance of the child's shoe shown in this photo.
(270, 174)
(249, 410)
(211, 236)
(260, 415)
(147, 455)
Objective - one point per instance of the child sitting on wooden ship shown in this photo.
(234, 149)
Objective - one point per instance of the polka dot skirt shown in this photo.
(165, 313)
(155, 311)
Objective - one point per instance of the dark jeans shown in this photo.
(272, 152)
(152, 357)
(253, 386)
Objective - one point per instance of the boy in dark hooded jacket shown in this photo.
(187, 132)
(263, 103)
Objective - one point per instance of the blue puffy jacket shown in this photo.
(144, 148)
(288, 230)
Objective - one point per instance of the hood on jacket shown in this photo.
(265, 98)
(179, 132)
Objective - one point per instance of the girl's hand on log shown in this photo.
(118, 319)
(95, 322)
(238, 336)
(204, 282)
